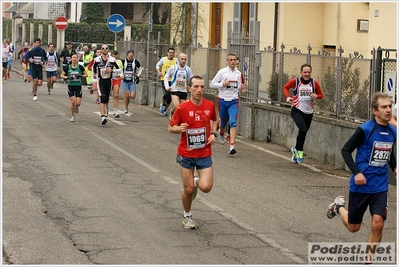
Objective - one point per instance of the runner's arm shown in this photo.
(354, 142)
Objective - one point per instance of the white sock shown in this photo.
(187, 214)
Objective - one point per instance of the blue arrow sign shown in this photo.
(116, 23)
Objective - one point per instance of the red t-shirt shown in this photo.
(193, 141)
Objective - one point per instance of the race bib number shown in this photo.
(233, 85)
(5, 59)
(128, 75)
(75, 76)
(196, 138)
(380, 154)
(304, 92)
(51, 63)
(37, 60)
(104, 73)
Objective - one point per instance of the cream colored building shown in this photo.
(355, 26)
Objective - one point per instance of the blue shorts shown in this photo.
(228, 111)
(129, 86)
(10, 62)
(198, 163)
(359, 202)
(51, 74)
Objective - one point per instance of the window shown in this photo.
(362, 25)
(244, 17)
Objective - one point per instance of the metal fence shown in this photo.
(347, 82)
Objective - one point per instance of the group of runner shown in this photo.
(102, 72)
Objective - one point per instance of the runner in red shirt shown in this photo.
(196, 121)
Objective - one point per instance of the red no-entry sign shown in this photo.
(61, 23)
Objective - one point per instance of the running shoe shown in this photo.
(162, 109)
(97, 101)
(103, 120)
(126, 111)
(48, 92)
(294, 155)
(8, 76)
(72, 118)
(76, 109)
(222, 139)
(194, 195)
(300, 157)
(25, 80)
(91, 91)
(188, 222)
(116, 115)
(34, 98)
(333, 207)
(232, 151)
(165, 114)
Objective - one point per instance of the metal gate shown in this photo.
(246, 47)
(385, 72)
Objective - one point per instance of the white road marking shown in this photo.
(252, 231)
(170, 180)
(126, 153)
(110, 119)
(288, 158)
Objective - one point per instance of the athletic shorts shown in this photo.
(10, 62)
(358, 203)
(128, 86)
(37, 74)
(116, 82)
(198, 163)
(181, 95)
(5, 64)
(228, 112)
(167, 97)
(51, 74)
(75, 90)
(104, 87)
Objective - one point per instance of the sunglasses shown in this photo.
(103, 48)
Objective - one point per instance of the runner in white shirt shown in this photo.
(228, 81)
(181, 75)
(52, 67)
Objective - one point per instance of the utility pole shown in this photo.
(150, 22)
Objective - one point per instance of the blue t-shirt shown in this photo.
(372, 157)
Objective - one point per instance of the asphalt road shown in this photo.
(82, 193)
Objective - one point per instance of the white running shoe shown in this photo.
(116, 115)
(48, 92)
(333, 207)
(72, 118)
(126, 111)
(103, 120)
(34, 98)
(232, 151)
(222, 139)
(188, 222)
(294, 156)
